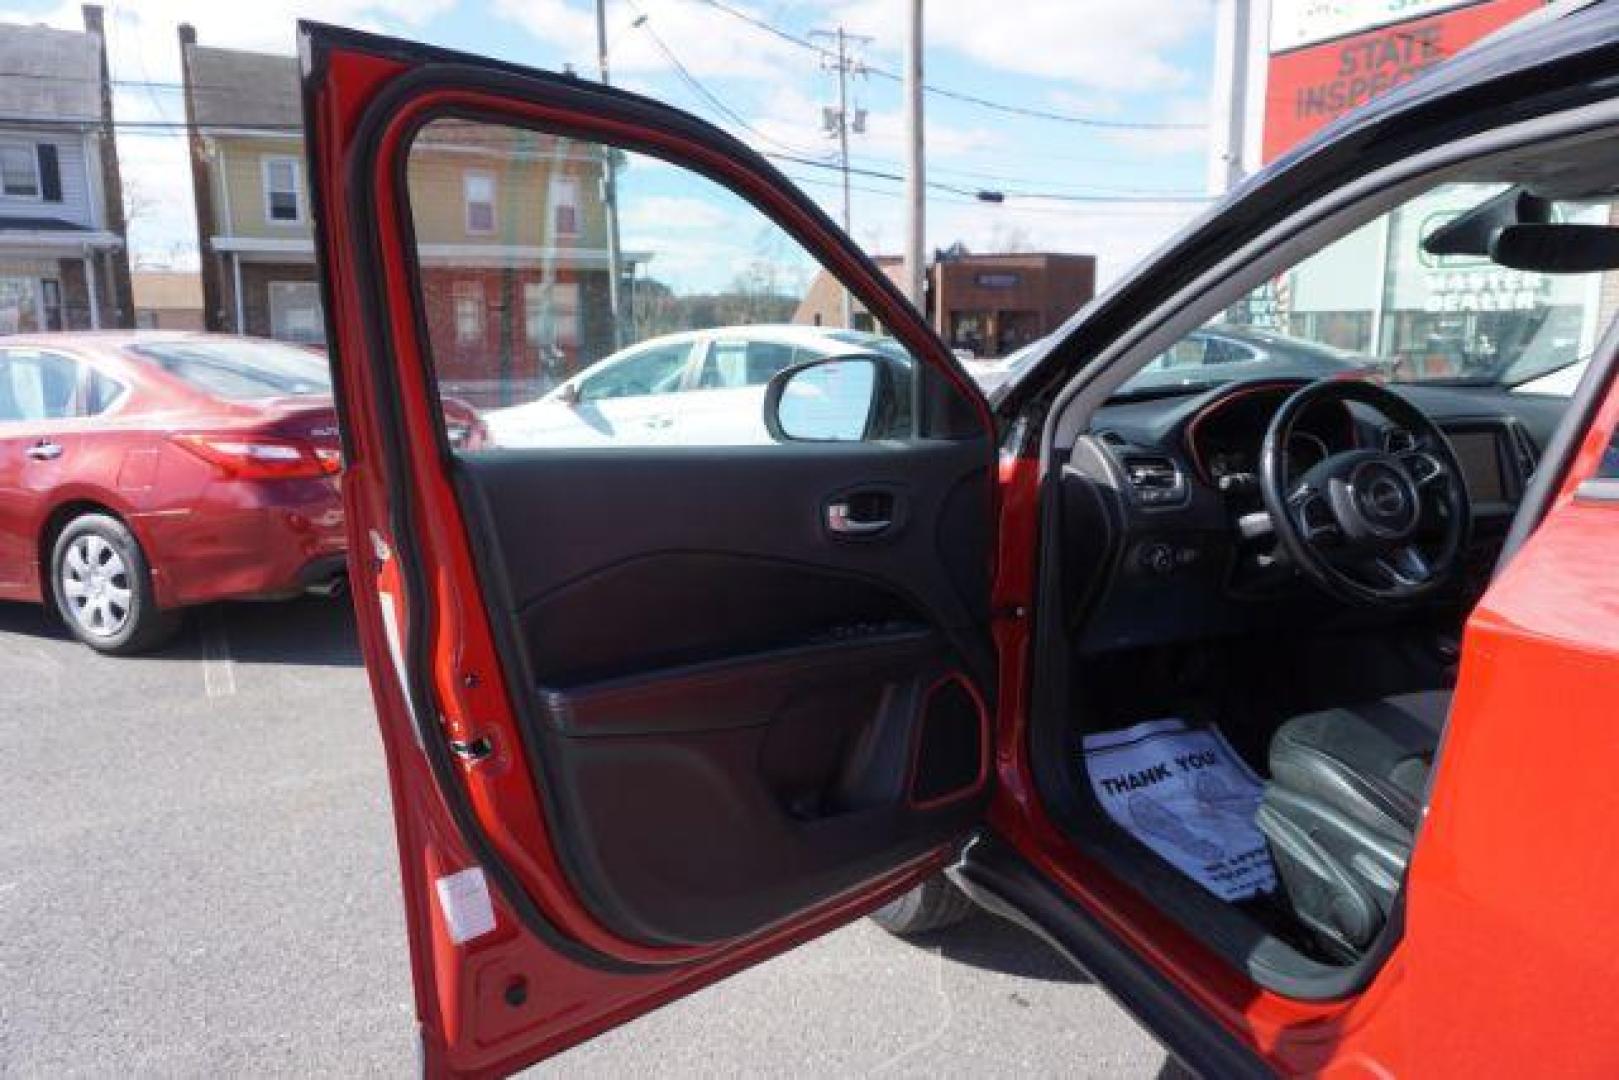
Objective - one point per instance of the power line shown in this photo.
(802, 157)
(946, 92)
(699, 89)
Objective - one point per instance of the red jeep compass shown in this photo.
(1283, 705)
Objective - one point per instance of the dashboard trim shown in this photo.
(1220, 404)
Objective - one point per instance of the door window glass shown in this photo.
(37, 386)
(573, 273)
(657, 370)
(732, 363)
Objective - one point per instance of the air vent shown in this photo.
(1398, 440)
(1111, 437)
(1524, 449)
(1155, 480)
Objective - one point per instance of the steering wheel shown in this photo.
(1370, 526)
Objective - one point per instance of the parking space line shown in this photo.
(218, 672)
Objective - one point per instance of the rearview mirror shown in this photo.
(1472, 232)
(1561, 248)
(834, 399)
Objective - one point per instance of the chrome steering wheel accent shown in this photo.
(1370, 526)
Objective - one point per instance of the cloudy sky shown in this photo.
(1116, 163)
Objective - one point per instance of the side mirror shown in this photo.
(833, 399)
(568, 394)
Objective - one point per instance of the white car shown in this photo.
(630, 398)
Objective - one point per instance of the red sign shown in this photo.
(1308, 88)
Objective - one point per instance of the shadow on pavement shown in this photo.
(994, 944)
(309, 630)
(30, 619)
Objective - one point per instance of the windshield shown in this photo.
(240, 370)
(1377, 301)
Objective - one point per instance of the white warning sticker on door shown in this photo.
(1187, 795)
(463, 899)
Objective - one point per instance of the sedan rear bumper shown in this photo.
(245, 540)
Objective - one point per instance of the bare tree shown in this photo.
(1009, 239)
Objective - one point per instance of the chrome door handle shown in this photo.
(840, 519)
(45, 450)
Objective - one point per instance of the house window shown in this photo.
(551, 314)
(479, 191)
(295, 313)
(282, 182)
(19, 171)
(468, 312)
(565, 206)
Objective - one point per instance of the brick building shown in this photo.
(988, 305)
(991, 305)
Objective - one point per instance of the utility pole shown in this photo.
(1234, 26)
(838, 122)
(915, 179)
(609, 190)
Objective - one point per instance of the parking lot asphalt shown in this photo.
(198, 877)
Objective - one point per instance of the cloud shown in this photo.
(707, 43)
(1096, 44)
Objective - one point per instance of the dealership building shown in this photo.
(1294, 66)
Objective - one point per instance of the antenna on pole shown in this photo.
(838, 121)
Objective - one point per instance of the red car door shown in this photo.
(652, 714)
(38, 399)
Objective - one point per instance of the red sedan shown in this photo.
(144, 472)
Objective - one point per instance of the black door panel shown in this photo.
(730, 703)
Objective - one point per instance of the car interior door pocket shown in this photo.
(951, 758)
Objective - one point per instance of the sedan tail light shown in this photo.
(248, 456)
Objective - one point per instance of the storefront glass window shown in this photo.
(1377, 300)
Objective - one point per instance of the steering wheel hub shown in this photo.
(1378, 500)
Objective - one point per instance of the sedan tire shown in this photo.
(102, 585)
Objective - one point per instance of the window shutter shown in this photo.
(50, 174)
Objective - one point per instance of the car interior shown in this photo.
(1290, 562)
(784, 647)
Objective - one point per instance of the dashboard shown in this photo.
(1163, 494)
(1223, 439)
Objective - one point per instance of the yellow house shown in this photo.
(511, 230)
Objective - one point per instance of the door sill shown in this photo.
(999, 880)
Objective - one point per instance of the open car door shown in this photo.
(652, 712)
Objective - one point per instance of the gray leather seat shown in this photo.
(1341, 810)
